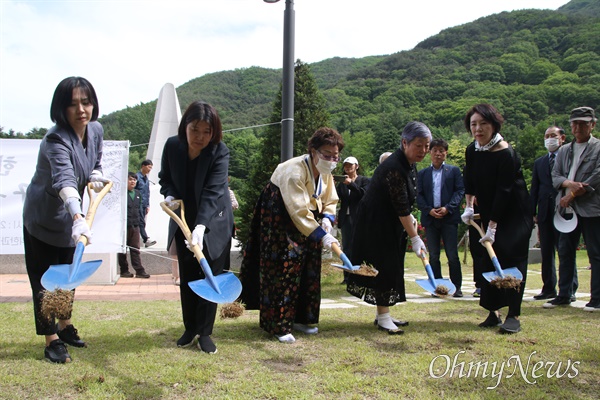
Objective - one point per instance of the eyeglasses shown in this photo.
(581, 123)
(328, 157)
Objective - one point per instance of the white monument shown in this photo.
(166, 122)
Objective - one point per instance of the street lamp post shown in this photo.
(287, 94)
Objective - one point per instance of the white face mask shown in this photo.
(325, 167)
(552, 144)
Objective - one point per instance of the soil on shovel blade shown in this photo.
(57, 303)
(508, 282)
(442, 290)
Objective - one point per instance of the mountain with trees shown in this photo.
(533, 65)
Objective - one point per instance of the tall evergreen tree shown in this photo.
(310, 113)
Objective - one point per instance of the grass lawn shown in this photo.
(443, 354)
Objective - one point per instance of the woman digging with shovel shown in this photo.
(493, 175)
(281, 269)
(194, 169)
(69, 158)
(383, 222)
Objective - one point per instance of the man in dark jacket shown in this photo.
(349, 191)
(440, 190)
(134, 200)
(543, 196)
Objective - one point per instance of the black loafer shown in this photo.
(69, 336)
(390, 331)
(396, 322)
(511, 325)
(187, 339)
(491, 321)
(458, 293)
(56, 352)
(206, 344)
(126, 274)
(544, 296)
(143, 275)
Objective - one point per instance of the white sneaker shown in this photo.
(289, 338)
(309, 330)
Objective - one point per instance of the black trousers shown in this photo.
(39, 256)
(198, 314)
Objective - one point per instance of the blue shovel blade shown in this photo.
(428, 286)
(347, 264)
(514, 272)
(57, 276)
(425, 284)
(228, 284)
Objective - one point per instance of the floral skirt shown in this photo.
(281, 268)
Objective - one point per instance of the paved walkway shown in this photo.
(15, 288)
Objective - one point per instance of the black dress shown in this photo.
(496, 180)
(379, 238)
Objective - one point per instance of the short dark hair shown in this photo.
(438, 143)
(558, 128)
(63, 96)
(132, 175)
(201, 111)
(488, 112)
(146, 162)
(325, 136)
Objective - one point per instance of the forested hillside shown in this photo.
(533, 65)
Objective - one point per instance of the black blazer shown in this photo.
(350, 196)
(543, 194)
(452, 193)
(212, 194)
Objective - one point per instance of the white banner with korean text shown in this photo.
(18, 158)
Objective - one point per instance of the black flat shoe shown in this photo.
(511, 325)
(544, 296)
(491, 321)
(187, 339)
(396, 322)
(206, 344)
(390, 331)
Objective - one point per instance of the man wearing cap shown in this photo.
(349, 191)
(576, 174)
(440, 191)
(543, 197)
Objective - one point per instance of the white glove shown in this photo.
(467, 216)
(328, 240)
(80, 227)
(98, 181)
(198, 236)
(490, 234)
(326, 225)
(418, 246)
(171, 205)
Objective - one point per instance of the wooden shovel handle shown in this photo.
(93, 206)
(336, 249)
(486, 244)
(183, 225)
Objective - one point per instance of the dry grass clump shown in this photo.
(57, 303)
(508, 282)
(232, 310)
(442, 290)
